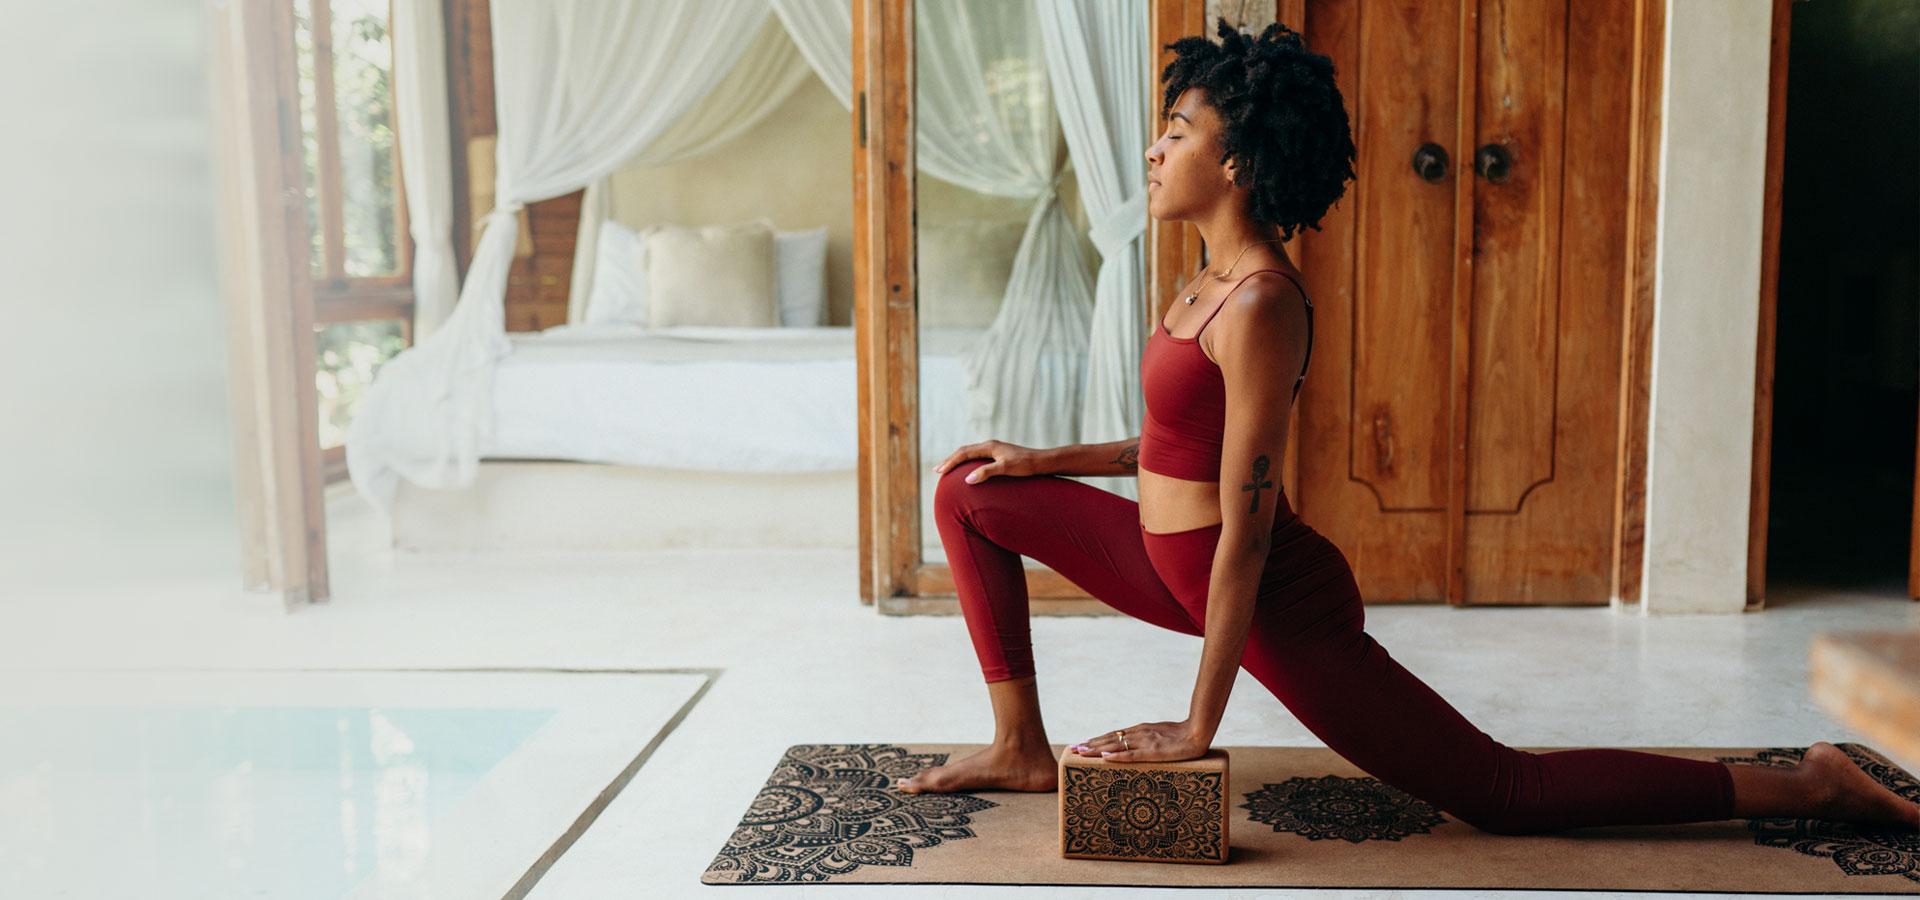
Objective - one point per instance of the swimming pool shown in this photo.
(311, 800)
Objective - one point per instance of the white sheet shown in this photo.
(715, 399)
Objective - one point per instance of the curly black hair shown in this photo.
(1285, 121)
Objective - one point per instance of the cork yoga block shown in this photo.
(1144, 811)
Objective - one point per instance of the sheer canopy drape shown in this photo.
(823, 30)
(581, 87)
(584, 88)
(986, 122)
(1099, 62)
(999, 135)
(769, 71)
(426, 159)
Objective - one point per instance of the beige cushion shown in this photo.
(712, 275)
(963, 270)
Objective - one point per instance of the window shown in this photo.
(362, 259)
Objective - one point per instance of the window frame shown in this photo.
(337, 296)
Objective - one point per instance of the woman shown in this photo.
(1257, 145)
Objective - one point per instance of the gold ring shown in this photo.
(1123, 741)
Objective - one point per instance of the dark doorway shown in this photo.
(1846, 391)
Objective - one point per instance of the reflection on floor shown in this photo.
(310, 784)
(242, 802)
(800, 660)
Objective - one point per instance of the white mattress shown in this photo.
(716, 399)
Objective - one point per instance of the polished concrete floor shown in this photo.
(796, 658)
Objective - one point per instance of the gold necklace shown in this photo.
(1236, 261)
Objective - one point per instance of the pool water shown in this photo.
(245, 801)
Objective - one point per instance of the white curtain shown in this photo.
(580, 88)
(995, 135)
(768, 72)
(986, 122)
(823, 30)
(420, 125)
(820, 31)
(1100, 64)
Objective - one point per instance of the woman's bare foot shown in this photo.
(1842, 792)
(997, 767)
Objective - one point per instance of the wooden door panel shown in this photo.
(1541, 308)
(1403, 311)
(1374, 412)
(1520, 95)
(1548, 302)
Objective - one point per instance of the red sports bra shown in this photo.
(1186, 397)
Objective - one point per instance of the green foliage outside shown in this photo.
(349, 355)
(363, 104)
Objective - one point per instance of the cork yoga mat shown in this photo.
(1300, 817)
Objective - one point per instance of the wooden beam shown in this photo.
(894, 339)
(463, 107)
(268, 296)
(1769, 303)
(1636, 337)
(866, 57)
(326, 120)
(402, 227)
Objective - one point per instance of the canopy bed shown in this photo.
(697, 366)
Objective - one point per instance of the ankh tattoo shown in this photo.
(1259, 472)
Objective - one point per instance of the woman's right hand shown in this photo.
(1008, 459)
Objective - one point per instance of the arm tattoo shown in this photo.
(1129, 458)
(1259, 473)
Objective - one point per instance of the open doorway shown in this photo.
(1847, 357)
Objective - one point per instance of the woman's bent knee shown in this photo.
(950, 492)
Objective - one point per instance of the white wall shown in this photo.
(1706, 305)
(115, 455)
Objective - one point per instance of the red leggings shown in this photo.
(1307, 645)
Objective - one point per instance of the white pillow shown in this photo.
(723, 275)
(619, 293)
(963, 270)
(803, 276)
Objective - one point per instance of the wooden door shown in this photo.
(1459, 433)
(1375, 413)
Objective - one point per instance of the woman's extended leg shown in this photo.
(1308, 645)
(1092, 538)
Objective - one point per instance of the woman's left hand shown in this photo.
(1146, 742)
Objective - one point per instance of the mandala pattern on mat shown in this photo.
(1857, 850)
(829, 809)
(1350, 809)
(1114, 811)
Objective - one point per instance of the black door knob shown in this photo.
(1431, 162)
(1493, 162)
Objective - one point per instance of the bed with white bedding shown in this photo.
(707, 411)
(622, 436)
(709, 398)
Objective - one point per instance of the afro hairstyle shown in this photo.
(1284, 120)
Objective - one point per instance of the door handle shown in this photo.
(1431, 162)
(1494, 162)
